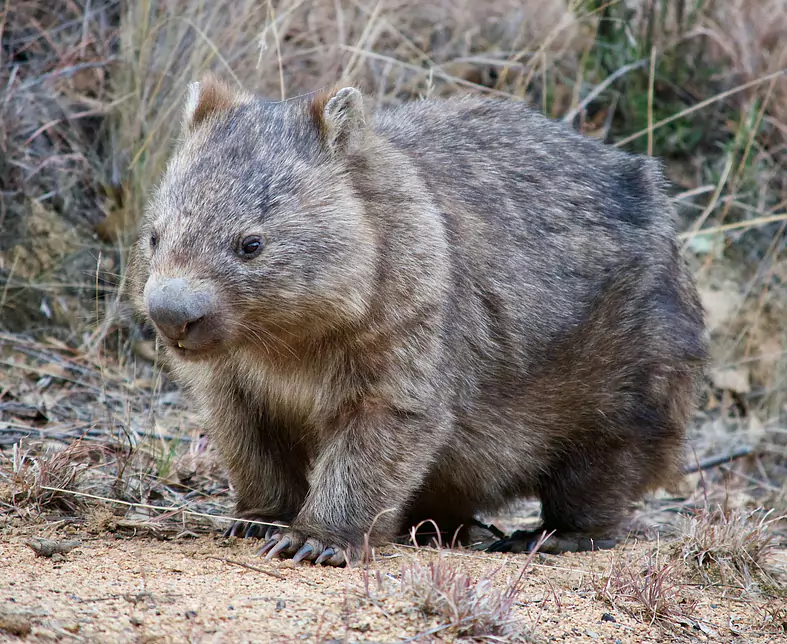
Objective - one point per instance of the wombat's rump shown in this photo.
(425, 313)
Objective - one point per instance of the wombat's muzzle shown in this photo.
(184, 312)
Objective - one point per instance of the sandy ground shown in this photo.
(118, 589)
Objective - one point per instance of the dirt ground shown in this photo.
(118, 589)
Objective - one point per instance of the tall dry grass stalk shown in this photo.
(393, 49)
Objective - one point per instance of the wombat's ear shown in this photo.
(340, 118)
(206, 98)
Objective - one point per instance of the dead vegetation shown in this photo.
(92, 431)
(648, 589)
(451, 602)
(732, 544)
(78, 438)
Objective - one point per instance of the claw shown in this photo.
(326, 554)
(267, 546)
(339, 559)
(501, 545)
(272, 530)
(283, 543)
(304, 552)
(228, 532)
(236, 527)
(252, 531)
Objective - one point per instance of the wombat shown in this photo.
(425, 312)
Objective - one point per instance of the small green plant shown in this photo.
(165, 458)
(626, 38)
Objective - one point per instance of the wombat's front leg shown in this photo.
(365, 475)
(268, 473)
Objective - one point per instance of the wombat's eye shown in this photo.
(251, 246)
(153, 240)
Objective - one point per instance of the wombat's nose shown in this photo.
(176, 307)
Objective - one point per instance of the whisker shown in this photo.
(274, 341)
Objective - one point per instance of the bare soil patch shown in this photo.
(209, 589)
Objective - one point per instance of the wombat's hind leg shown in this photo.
(584, 497)
(555, 544)
(447, 529)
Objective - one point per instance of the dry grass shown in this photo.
(732, 544)
(394, 50)
(650, 589)
(463, 606)
(36, 481)
(78, 435)
(55, 161)
(774, 617)
(451, 602)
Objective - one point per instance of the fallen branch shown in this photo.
(271, 573)
(715, 461)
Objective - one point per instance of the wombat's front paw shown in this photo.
(554, 544)
(246, 530)
(291, 543)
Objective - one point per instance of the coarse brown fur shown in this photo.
(458, 304)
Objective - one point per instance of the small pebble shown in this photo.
(608, 617)
(15, 624)
(39, 634)
(591, 634)
(280, 605)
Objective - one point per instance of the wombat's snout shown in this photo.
(184, 312)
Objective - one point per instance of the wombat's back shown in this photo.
(542, 221)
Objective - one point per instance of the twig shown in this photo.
(602, 86)
(67, 71)
(700, 105)
(651, 87)
(271, 573)
(48, 547)
(173, 509)
(752, 223)
(715, 461)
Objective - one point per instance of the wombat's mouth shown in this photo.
(190, 352)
